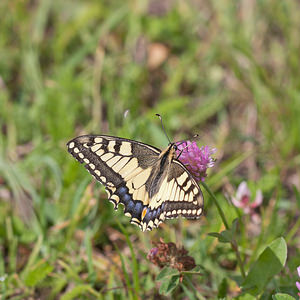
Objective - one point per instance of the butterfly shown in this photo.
(153, 185)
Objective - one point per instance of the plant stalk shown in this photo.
(233, 243)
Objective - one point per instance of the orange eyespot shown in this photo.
(144, 213)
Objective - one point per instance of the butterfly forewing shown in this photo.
(132, 174)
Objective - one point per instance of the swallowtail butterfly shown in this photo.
(153, 185)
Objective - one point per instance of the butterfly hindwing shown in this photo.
(186, 198)
(178, 194)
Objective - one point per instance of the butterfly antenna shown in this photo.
(162, 125)
(195, 137)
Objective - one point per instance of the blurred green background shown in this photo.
(226, 70)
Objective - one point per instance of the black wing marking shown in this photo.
(122, 166)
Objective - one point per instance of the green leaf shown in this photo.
(188, 292)
(222, 289)
(270, 262)
(166, 272)
(223, 237)
(37, 273)
(169, 284)
(280, 296)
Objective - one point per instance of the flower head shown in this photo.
(298, 283)
(197, 160)
(242, 200)
(167, 254)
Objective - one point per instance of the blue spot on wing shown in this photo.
(158, 212)
(122, 190)
(126, 199)
(133, 207)
(148, 216)
(137, 211)
(136, 207)
(154, 212)
(130, 206)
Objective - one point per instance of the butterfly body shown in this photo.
(151, 184)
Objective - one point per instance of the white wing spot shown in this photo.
(189, 183)
(184, 211)
(108, 192)
(81, 155)
(131, 166)
(172, 196)
(182, 196)
(177, 195)
(71, 145)
(125, 149)
(76, 150)
(113, 160)
(162, 216)
(97, 172)
(95, 148)
(92, 166)
(169, 190)
(115, 198)
(86, 160)
(199, 211)
(102, 178)
(100, 152)
(181, 178)
(98, 140)
(117, 167)
(106, 156)
(111, 146)
(110, 184)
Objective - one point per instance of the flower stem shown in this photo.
(235, 248)
(233, 243)
(216, 204)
